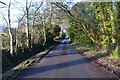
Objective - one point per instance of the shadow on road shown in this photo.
(55, 55)
(43, 69)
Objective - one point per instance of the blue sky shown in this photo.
(15, 12)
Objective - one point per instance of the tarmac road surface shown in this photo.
(64, 62)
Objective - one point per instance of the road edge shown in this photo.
(14, 72)
(105, 67)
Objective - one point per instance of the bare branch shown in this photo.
(64, 8)
(38, 7)
(19, 20)
(2, 3)
(4, 18)
(19, 3)
(30, 4)
(9, 13)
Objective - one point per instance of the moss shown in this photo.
(99, 52)
(116, 52)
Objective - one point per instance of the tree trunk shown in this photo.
(89, 34)
(9, 31)
(113, 31)
(117, 49)
(51, 9)
(32, 33)
(27, 24)
(103, 18)
(11, 42)
(33, 24)
(44, 31)
(118, 24)
(16, 46)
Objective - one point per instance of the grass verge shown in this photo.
(101, 57)
(12, 73)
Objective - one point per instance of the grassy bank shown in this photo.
(102, 57)
(24, 65)
(8, 62)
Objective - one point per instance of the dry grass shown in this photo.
(108, 61)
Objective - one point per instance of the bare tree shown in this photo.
(9, 31)
(51, 10)
(27, 22)
(44, 29)
(33, 23)
(19, 20)
(9, 25)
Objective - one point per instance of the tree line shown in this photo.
(97, 24)
(91, 23)
(35, 30)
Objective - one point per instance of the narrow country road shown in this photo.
(64, 62)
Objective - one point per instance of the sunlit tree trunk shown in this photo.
(113, 31)
(32, 33)
(9, 31)
(44, 29)
(88, 34)
(103, 17)
(27, 24)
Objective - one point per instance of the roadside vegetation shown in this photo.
(93, 27)
(34, 33)
(98, 25)
(95, 32)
